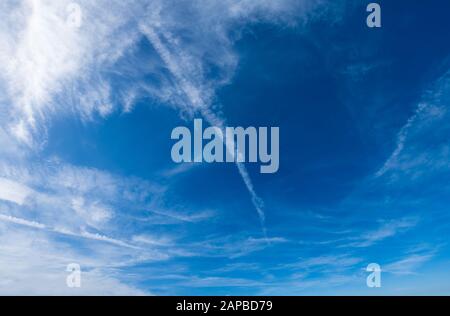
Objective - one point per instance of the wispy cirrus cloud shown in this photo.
(324, 263)
(63, 231)
(386, 230)
(50, 68)
(413, 259)
(21, 221)
(56, 206)
(407, 265)
(13, 191)
(33, 264)
(411, 154)
(235, 246)
(43, 59)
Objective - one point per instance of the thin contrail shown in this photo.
(198, 104)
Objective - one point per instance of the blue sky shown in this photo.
(85, 169)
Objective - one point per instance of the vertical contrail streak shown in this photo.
(196, 102)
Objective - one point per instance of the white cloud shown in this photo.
(13, 191)
(64, 231)
(407, 265)
(43, 57)
(49, 67)
(21, 221)
(401, 139)
(335, 262)
(152, 240)
(387, 229)
(94, 213)
(235, 246)
(32, 264)
(412, 153)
